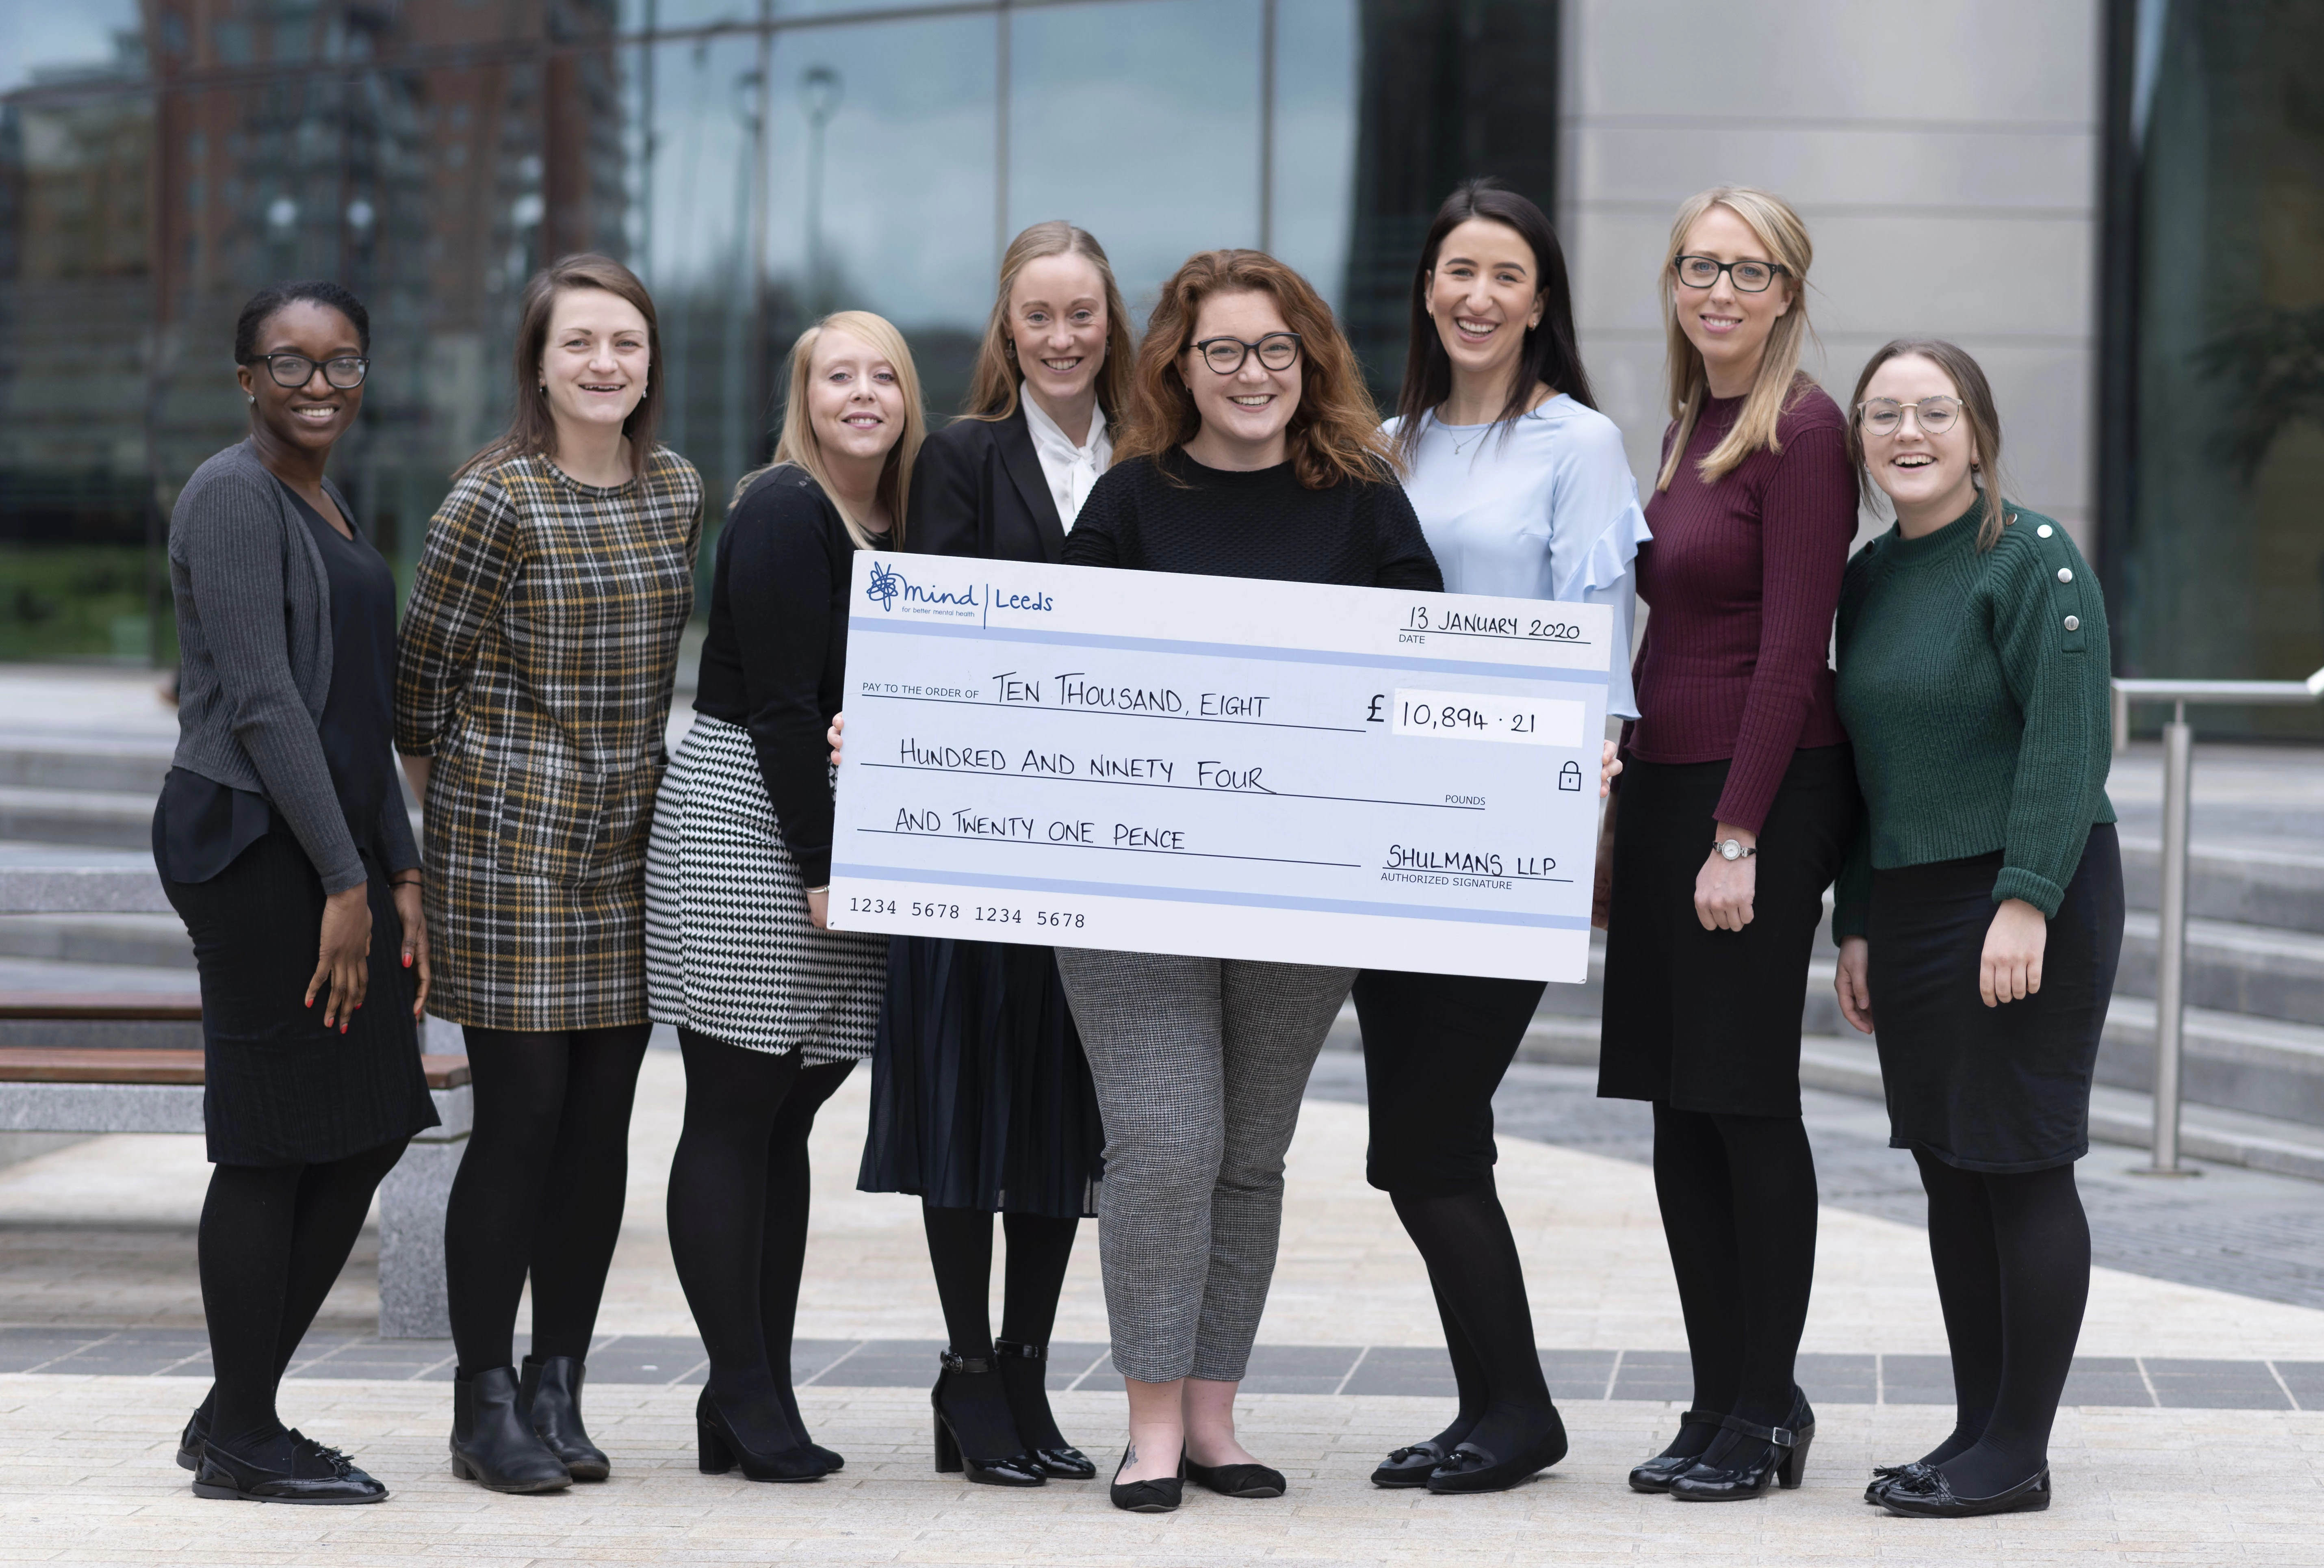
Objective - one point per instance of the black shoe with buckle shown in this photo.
(1657, 1474)
(960, 1374)
(1025, 1379)
(1783, 1461)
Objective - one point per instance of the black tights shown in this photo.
(1739, 1204)
(540, 1187)
(273, 1239)
(2013, 1262)
(739, 1186)
(960, 1252)
(1480, 1295)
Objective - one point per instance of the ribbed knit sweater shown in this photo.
(1742, 576)
(1974, 686)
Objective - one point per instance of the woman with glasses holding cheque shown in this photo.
(1982, 911)
(1251, 450)
(772, 1006)
(980, 1098)
(281, 819)
(1734, 811)
(1524, 491)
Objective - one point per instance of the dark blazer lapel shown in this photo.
(1024, 465)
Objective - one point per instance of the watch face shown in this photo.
(1732, 849)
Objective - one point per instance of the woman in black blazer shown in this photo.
(980, 1099)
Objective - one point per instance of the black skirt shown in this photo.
(278, 1087)
(981, 1097)
(1710, 1020)
(2000, 1089)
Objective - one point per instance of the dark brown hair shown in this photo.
(1549, 357)
(532, 431)
(992, 386)
(1334, 432)
(1977, 407)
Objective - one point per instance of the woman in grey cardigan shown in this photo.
(281, 841)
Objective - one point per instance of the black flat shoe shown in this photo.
(549, 1391)
(717, 1450)
(1656, 1473)
(1236, 1480)
(192, 1441)
(1023, 1378)
(1783, 1461)
(1471, 1469)
(493, 1443)
(1008, 1470)
(1885, 1476)
(1148, 1497)
(318, 1476)
(1928, 1496)
(1409, 1466)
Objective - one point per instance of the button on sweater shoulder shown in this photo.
(1974, 686)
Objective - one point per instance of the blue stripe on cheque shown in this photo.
(1205, 896)
(1218, 649)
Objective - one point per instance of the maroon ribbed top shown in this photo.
(1743, 577)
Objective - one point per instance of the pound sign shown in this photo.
(1374, 716)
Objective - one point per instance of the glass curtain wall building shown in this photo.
(757, 161)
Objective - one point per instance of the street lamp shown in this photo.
(820, 89)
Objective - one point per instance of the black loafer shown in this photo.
(1410, 1466)
(318, 1476)
(192, 1441)
(1885, 1476)
(1471, 1469)
(1929, 1496)
(1238, 1481)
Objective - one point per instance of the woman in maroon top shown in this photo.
(1731, 819)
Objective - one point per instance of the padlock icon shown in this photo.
(1569, 778)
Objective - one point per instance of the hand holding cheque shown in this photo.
(1220, 767)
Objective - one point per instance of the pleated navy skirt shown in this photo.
(980, 1098)
(1998, 1089)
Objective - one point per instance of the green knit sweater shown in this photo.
(1974, 686)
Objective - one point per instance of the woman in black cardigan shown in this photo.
(980, 1098)
(772, 1008)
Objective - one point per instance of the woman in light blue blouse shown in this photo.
(1524, 491)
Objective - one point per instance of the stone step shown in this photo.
(2264, 971)
(97, 818)
(2253, 887)
(2236, 1062)
(126, 767)
(147, 941)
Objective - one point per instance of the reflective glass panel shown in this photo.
(1315, 139)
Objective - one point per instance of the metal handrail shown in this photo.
(2170, 937)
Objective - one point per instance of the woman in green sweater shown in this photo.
(1982, 906)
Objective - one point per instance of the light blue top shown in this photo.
(1543, 508)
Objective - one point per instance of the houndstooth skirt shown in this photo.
(730, 951)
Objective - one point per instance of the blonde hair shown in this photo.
(992, 386)
(802, 449)
(1977, 407)
(1779, 381)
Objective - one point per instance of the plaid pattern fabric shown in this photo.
(535, 667)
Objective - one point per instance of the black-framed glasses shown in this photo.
(1886, 415)
(345, 372)
(1277, 351)
(1748, 276)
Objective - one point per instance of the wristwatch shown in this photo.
(1734, 849)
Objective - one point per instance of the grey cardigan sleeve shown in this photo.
(232, 546)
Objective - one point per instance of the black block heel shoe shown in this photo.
(1236, 1480)
(550, 1393)
(1471, 1469)
(1024, 1376)
(318, 1476)
(1784, 1461)
(1928, 1496)
(493, 1443)
(1148, 1497)
(1656, 1473)
(717, 1450)
(1410, 1466)
(1008, 1470)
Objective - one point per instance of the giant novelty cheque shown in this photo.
(1220, 767)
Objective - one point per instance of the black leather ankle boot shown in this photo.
(493, 1443)
(550, 1392)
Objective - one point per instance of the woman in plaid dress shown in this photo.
(532, 692)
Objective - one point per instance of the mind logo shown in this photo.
(885, 584)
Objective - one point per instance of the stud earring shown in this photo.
(252, 396)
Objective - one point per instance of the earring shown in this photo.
(252, 396)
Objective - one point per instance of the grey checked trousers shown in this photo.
(1200, 1063)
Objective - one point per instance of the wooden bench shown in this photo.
(127, 1061)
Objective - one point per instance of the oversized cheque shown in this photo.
(1215, 766)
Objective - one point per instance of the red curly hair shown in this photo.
(1334, 435)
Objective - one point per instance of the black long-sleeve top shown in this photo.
(1257, 524)
(776, 658)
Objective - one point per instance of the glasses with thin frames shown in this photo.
(1748, 276)
(345, 372)
(1886, 415)
(1225, 355)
